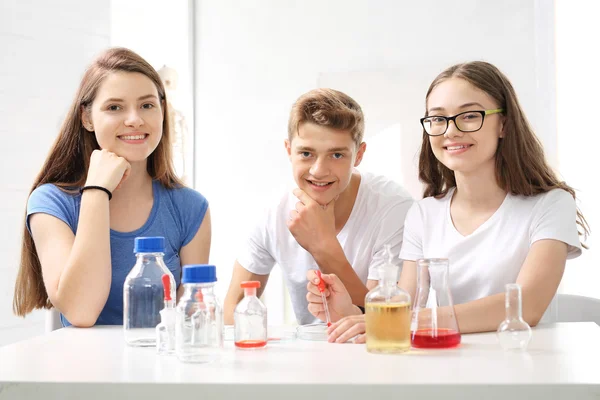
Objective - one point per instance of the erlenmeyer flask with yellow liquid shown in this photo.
(387, 312)
(434, 324)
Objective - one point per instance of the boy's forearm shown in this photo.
(232, 298)
(332, 260)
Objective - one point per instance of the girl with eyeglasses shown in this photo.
(492, 205)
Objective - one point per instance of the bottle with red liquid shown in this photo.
(434, 324)
(250, 319)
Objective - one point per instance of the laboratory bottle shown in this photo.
(387, 311)
(143, 292)
(199, 317)
(250, 319)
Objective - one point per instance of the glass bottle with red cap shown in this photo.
(250, 319)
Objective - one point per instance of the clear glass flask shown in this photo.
(199, 316)
(143, 292)
(434, 323)
(250, 319)
(513, 333)
(387, 312)
(165, 331)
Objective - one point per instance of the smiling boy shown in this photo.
(337, 219)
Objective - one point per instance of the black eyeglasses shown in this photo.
(468, 121)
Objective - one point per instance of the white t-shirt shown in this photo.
(484, 261)
(377, 218)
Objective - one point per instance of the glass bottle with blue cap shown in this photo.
(143, 292)
(199, 316)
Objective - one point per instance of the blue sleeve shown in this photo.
(49, 199)
(191, 206)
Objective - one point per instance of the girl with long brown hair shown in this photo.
(492, 205)
(108, 178)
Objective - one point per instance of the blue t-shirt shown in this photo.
(176, 215)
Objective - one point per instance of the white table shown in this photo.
(563, 361)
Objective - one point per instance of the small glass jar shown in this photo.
(199, 316)
(250, 319)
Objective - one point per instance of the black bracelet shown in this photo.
(105, 190)
(362, 309)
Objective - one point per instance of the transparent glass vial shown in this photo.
(165, 331)
(513, 333)
(387, 312)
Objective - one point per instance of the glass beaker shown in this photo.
(387, 312)
(250, 319)
(434, 324)
(513, 333)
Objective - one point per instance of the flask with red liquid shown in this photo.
(250, 319)
(434, 324)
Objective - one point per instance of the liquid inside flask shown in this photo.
(250, 319)
(143, 292)
(514, 333)
(434, 324)
(199, 316)
(387, 312)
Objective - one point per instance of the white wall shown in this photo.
(45, 48)
(255, 58)
(577, 31)
(159, 31)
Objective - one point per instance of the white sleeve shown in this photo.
(556, 219)
(390, 232)
(255, 255)
(412, 244)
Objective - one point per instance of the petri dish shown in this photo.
(312, 332)
(281, 334)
